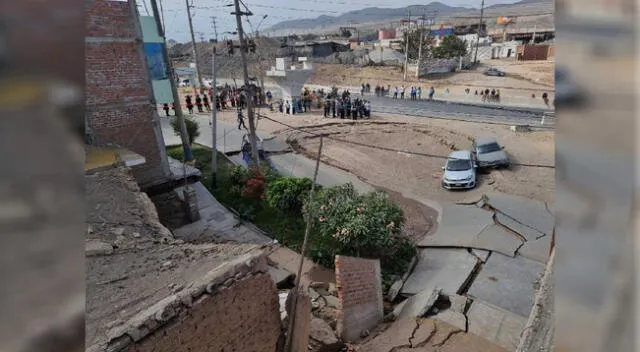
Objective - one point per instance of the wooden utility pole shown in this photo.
(475, 56)
(249, 89)
(420, 47)
(214, 120)
(193, 42)
(184, 135)
(406, 46)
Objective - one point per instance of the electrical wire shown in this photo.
(393, 150)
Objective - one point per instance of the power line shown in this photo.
(427, 155)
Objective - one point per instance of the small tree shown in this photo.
(414, 43)
(450, 47)
(193, 129)
(288, 194)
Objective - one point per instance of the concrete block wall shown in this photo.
(233, 308)
(118, 95)
(359, 286)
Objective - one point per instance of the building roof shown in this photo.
(135, 268)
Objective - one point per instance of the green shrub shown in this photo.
(288, 194)
(368, 225)
(193, 129)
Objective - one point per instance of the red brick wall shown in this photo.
(360, 294)
(533, 52)
(242, 317)
(118, 99)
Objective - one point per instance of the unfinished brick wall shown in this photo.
(533, 52)
(118, 96)
(242, 317)
(233, 308)
(359, 287)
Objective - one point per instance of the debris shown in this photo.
(119, 231)
(332, 302)
(394, 290)
(319, 285)
(458, 303)
(136, 235)
(419, 305)
(322, 337)
(97, 248)
(167, 264)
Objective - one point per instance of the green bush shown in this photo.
(193, 129)
(369, 225)
(288, 194)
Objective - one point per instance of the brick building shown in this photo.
(118, 94)
(535, 52)
(147, 291)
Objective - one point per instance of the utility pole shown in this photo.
(184, 135)
(214, 121)
(406, 46)
(475, 56)
(420, 47)
(215, 28)
(245, 71)
(193, 42)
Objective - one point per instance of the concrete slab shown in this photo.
(482, 254)
(180, 171)
(537, 250)
(446, 268)
(529, 212)
(297, 165)
(452, 318)
(459, 226)
(279, 275)
(398, 334)
(507, 283)
(497, 239)
(419, 304)
(525, 231)
(496, 325)
(275, 145)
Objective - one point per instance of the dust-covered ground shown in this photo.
(522, 78)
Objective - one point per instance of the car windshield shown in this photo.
(488, 148)
(458, 165)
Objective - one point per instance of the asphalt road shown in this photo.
(444, 110)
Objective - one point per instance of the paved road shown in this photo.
(445, 110)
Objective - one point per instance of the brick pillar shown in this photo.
(191, 204)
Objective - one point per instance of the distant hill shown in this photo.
(377, 14)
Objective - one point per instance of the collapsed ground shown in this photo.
(414, 181)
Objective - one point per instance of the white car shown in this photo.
(459, 171)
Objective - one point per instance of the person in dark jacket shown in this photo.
(189, 104)
(199, 103)
(165, 107)
(205, 102)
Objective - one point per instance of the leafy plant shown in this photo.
(450, 47)
(368, 225)
(254, 187)
(193, 129)
(414, 43)
(288, 194)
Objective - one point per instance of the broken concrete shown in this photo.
(446, 268)
(394, 290)
(507, 283)
(322, 338)
(537, 250)
(481, 254)
(468, 226)
(523, 230)
(531, 213)
(280, 276)
(458, 303)
(419, 305)
(453, 318)
(496, 325)
(459, 226)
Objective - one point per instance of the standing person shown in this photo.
(402, 92)
(484, 96)
(498, 95)
(189, 104)
(341, 107)
(326, 108)
(419, 93)
(354, 109)
(333, 107)
(199, 103)
(241, 121)
(362, 90)
(367, 109)
(486, 92)
(395, 93)
(388, 89)
(287, 107)
(545, 98)
(165, 107)
(432, 92)
(205, 102)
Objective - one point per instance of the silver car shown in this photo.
(494, 72)
(489, 153)
(459, 171)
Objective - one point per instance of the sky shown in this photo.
(177, 25)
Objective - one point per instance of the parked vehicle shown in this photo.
(459, 171)
(567, 91)
(489, 153)
(492, 71)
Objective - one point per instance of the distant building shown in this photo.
(386, 34)
(319, 48)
